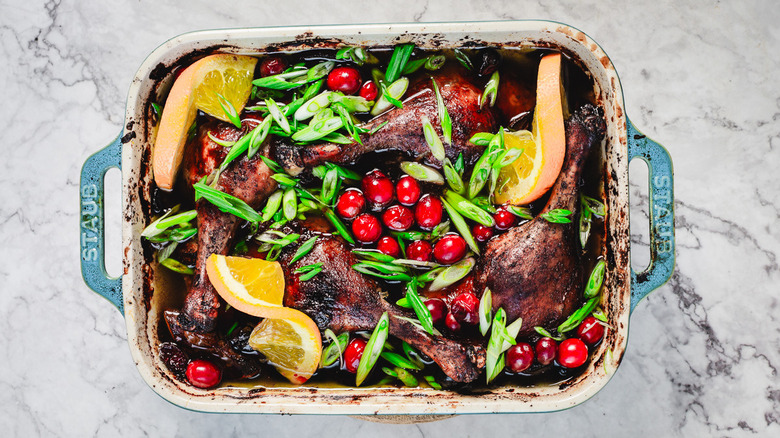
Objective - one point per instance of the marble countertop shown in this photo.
(699, 77)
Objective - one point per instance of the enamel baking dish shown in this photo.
(140, 293)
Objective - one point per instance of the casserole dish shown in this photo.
(144, 291)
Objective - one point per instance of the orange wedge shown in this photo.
(292, 345)
(197, 88)
(532, 175)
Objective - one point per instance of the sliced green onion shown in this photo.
(432, 382)
(411, 235)
(308, 268)
(595, 280)
(430, 275)
(311, 274)
(421, 172)
(353, 104)
(432, 138)
(167, 221)
(403, 302)
(329, 185)
(452, 274)
(235, 151)
(434, 62)
(557, 216)
(226, 203)
(223, 143)
(174, 235)
(491, 90)
(542, 331)
(318, 130)
(157, 110)
(398, 61)
(365, 268)
(374, 254)
(585, 224)
(412, 355)
(283, 81)
(319, 71)
(177, 266)
(385, 268)
(484, 203)
(313, 106)
(440, 230)
(494, 360)
(420, 309)
(600, 315)
(593, 205)
(399, 361)
(460, 164)
(229, 110)
(413, 66)
(521, 212)
(406, 377)
(373, 349)
(579, 315)
(415, 263)
(335, 349)
(444, 116)
(395, 91)
(339, 225)
(507, 157)
(390, 372)
(416, 323)
(258, 136)
(467, 209)
(284, 180)
(304, 249)
(485, 311)
(481, 138)
(272, 205)
(461, 226)
(481, 171)
(511, 331)
(167, 251)
(289, 204)
(277, 115)
(463, 59)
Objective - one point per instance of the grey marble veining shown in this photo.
(699, 77)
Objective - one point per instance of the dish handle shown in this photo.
(661, 208)
(92, 223)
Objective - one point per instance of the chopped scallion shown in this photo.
(452, 274)
(421, 172)
(461, 226)
(373, 349)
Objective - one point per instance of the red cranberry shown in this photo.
(369, 90)
(482, 233)
(590, 331)
(451, 322)
(504, 219)
(388, 245)
(344, 79)
(428, 212)
(350, 203)
(419, 250)
(572, 353)
(272, 65)
(519, 357)
(366, 228)
(353, 353)
(378, 188)
(546, 349)
(407, 190)
(398, 218)
(449, 249)
(203, 374)
(464, 308)
(437, 308)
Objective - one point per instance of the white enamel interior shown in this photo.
(142, 322)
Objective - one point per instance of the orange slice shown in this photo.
(292, 345)
(197, 88)
(532, 175)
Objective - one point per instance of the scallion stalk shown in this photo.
(399, 361)
(557, 216)
(177, 266)
(481, 138)
(223, 143)
(444, 115)
(373, 349)
(463, 59)
(434, 62)
(374, 254)
(226, 203)
(368, 269)
(421, 172)
(491, 91)
(432, 138)
(467, 209)
(318, 130)
(339, 225)
(420, 309)
(494, 360)
(542, 331)
(461, 226)
(329, 185)
(335, 349)
(313, 106)
(258, 136)
(394, 91)
(277, 115)
(229, 110)
(452, 274)
(593, 205)
(596, 279)
(398, 61)
(167, 221)
(304, 249)
(521, 212)
(272, 205)
(576, 318)
(485, 311)
(290, 204)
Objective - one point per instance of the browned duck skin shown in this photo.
(247, 179)
(534, 270)
(403, 131)
(345, 300)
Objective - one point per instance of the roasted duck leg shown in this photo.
(534, 270)
(345, 300)
(403, 131)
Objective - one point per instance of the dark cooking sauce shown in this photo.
(523, 64)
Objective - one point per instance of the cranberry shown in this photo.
(545, 350)
(203, 374)
(378, 188)
(449, 249)
(388, 245)
(419, 250)
(344, 79)
(369, 90)
(272, 65)
(519, 357)
(437, 308)
(366, 228)
(504, 219)
(590, 331)
(353, 353)
(428, 212)
(451, 322)
(174, 358)
(464, 308)
(350, 203)
(572, 353)
(482, 233)
(407, 190)
(398, 218)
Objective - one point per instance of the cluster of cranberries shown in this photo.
(200, 373)
(370, 211)
(570, 353)
(345, 79)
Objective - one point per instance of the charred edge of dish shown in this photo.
(127, 137)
